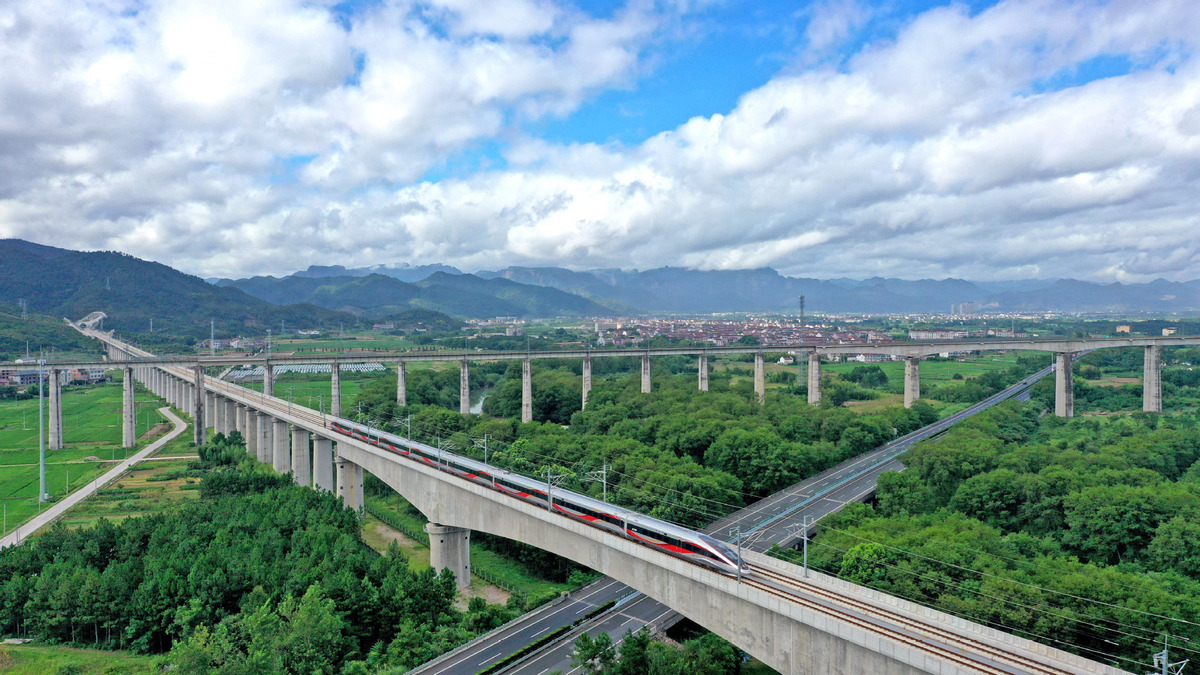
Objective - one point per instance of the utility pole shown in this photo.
(41, 431)
(806, 546)
(802, 312)
(602, 477)
(212, 337)
(552, 479)
(1162, 660)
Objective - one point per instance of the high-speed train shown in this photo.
(695, 547)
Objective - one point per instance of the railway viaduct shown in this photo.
(795, 624)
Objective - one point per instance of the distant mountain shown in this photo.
(672, 289)
(401, 271)
(132, 292)
(458, 294)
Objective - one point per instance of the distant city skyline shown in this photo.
(840, 138)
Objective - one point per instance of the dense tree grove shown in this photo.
(1078, 533)
(677, 453)
(639, 655)
(257, 576)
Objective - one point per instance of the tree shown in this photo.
(594, 655)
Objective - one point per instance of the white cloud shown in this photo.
(961, 146)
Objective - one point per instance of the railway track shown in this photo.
(979, 655)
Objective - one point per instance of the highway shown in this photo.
(776, 519)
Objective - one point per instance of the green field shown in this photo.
(933, 371)
(34, 659)
(92, 432)
(313, 390)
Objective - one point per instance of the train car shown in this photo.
(681, 542)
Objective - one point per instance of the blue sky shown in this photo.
(837, 138)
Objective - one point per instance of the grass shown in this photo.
(313, 390)
(92, 434)
(35, 659)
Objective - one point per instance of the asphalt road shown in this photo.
(777, 519)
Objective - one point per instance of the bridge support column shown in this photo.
(231, 420)
(645, 373)
(912, 380)
(587, 379)
(760, 382)
(1152, 379)
(814, 377)
(1064, 386)
(464, 388)
(54, 382)
(269, 379)
(251, 431)
(450, 548)
(281, 457)
(401, 386)
(220, 415)
(199, 427)
(264, 451)
(301, 459)
(350, 484)
(526, 391)
(239, 419)
(128, 412)
(323, 464)
(703, 368)
(210, 400)
(335, 385)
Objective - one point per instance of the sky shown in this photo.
(837, 138)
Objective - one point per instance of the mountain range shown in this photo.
(528, 291)
(137, 294)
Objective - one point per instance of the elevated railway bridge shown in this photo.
(794, 622)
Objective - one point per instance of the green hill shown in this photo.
(39, 331)
(134, 292)
(378, 295)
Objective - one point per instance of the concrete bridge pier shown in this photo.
(350, 484)
(1064, 386)
(231, 419)
(210, 399)
(239, 418)
(199, 427)
(335, 385)
(251, 432)
(128, 411)
(526, 391)
(645, 373)
(269, 379)
(220, 419)
(281, 457)
(464, 388)
(1152, 379)
(912, 380)
(450, 548)
(703, 372)
(323, 464)
(301, 459)
(760, 383)
(264, 448)
(587, 379)
(401, 386)
(814, 378)
(54, 382)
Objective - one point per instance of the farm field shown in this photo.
(92, 432)
(313, 390)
